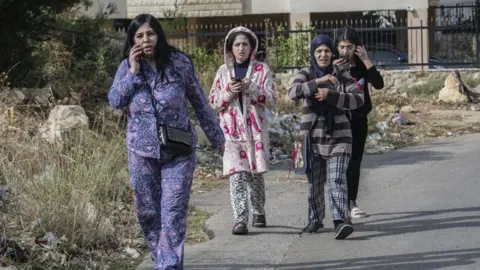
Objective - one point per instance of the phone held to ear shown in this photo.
(141, 56)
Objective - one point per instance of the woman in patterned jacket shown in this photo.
(327, 91)
(242, 91)
(154, 82)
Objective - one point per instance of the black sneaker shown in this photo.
(259, 221)
(313, 228)
(240, 228)
(343, 230)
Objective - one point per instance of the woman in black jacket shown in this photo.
(353, 54)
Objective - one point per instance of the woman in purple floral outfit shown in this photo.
(154, 82)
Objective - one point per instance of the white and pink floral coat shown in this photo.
(245, 128)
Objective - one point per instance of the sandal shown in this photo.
(240, 228)
(358, 213)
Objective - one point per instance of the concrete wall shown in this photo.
(453, 2)
(191, 8)
(266, 6)
(220, 8)
(304, 6)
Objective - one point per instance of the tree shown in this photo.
(22, 25)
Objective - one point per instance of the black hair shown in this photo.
(232, 37)
(349, 34)
(163, 50)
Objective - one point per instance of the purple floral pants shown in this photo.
(162, 192)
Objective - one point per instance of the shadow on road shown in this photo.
(401, 223)
(424, 261)
(412, 222)
(403, 157)
(398, 157)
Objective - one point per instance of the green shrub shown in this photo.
(291, 50)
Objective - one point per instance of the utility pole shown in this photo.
(477, 21)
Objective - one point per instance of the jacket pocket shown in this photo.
(225, 124)
(256, 121)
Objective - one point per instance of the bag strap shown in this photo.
(314, 121)
(152, 98)
(312, 75)
(154, 101)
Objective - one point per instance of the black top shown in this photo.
(363, 77)
(240, 72)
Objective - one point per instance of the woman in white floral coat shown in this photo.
(242, 92)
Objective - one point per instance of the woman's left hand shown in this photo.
(321, 94)
(246, 84)
(361, 53)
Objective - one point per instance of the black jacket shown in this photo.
(363, 77)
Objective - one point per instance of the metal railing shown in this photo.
(449, 38)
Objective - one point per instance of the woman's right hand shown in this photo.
(327, 79)
(134, 58)
(339, 62)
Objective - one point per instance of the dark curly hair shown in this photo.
(232, 37)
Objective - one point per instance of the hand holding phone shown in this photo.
(235, 84)
(135, 53)
(340, 61)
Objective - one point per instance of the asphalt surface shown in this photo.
(423, 204)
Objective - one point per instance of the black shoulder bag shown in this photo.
(173, 140)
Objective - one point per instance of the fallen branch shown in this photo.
(472, 95)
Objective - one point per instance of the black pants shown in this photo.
(359, 125)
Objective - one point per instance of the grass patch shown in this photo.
(427, 88)
(285, 104)
(396, 143)
(431, 87)
(78, 190)
(205, 184)
(206, 78)
(373, 119)
(196, 226)
(67, 191)
(472, 81)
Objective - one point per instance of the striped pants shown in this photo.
(244, 188)
(333, 172)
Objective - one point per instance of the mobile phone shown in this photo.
(140, 57)
(343, 56)
(235, 79)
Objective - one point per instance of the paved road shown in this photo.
(424, 206)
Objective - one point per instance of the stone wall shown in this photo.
(191, 8)
(394, 79)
